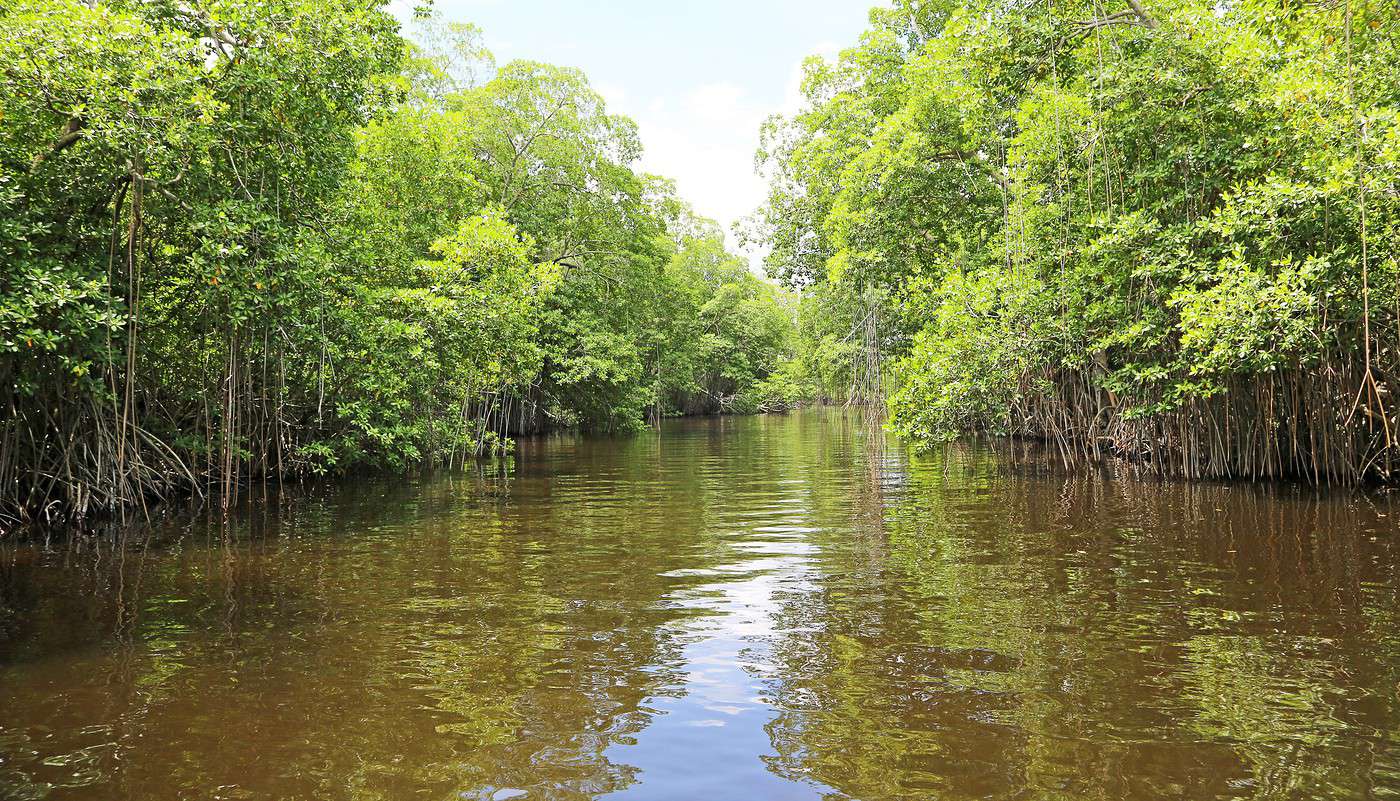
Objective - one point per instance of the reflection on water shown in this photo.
(747, 608)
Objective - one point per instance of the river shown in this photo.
(746, 608)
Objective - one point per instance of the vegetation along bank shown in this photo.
(245, 241)
(249, 240)
(1161, 230)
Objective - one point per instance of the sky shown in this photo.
(698, 77)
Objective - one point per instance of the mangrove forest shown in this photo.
(1165, 233)
(250, 241)
(545, 400)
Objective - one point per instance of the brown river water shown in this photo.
(755, 609)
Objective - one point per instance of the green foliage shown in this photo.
(1179, 214)
(740, 330)
(243, 239)
(967, 368)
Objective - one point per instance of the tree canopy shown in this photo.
(244, 240)
(1161, 230)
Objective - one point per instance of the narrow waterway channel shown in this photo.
(753, 609)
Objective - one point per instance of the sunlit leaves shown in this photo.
(1163, 204)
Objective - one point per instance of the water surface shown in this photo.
(754, 609)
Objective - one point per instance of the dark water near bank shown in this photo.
(748, 608)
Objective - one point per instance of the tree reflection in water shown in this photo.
(761, 607)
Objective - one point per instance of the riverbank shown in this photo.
(189, 501)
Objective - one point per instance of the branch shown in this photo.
(1147, 19)
(1137, 15)
(71, 134)
(1124, 17)
(117, 192)
(577, 253)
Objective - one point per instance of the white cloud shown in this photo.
(710, 167)
(615, 95)
(718, 103)
(705, 138)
